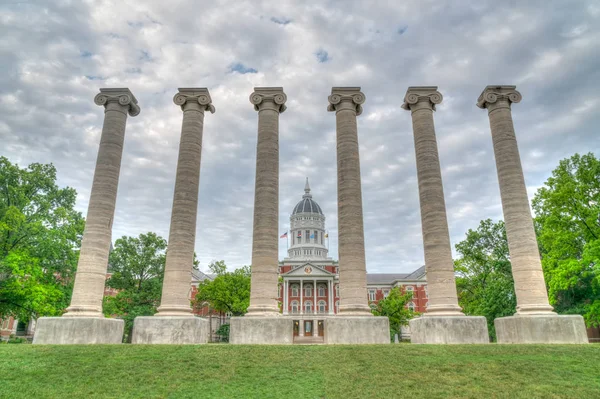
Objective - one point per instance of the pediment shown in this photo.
(308, 270)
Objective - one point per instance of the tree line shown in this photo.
(40, 236)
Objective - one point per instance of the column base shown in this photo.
(357, 330)
(173, 330)
(449, 330)
(261, 330)
(541, 329)
(78, 330)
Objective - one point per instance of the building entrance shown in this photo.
(296, 328)
(321, 328)
(308, 328)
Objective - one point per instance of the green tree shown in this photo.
(395, 308)
(484, 277)
(40, 236)
(228, 291)
(567, 212)
(137, 265)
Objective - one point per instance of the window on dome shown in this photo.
(308, 306)
(321, 306)
(295, 290)
(322, 238)
(307, 240)
(294, 307)
(316, 241)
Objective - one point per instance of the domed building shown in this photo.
(309, 287)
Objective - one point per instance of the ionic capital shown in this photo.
(194, 98)
(494, 97)
(121, 96)
(346, 98)
(272, 98)
(417, 97)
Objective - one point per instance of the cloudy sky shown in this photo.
(54, 56)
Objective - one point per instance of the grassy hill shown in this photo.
(227, 371)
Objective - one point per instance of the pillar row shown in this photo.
(347, 102)
(530, 288)
(421, 101)
(88, 289)
(269, 102)
(182, 235)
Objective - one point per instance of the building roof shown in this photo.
(390, 278)
(197, 275)
(307, 204)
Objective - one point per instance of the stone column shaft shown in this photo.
(346, 102)
(175, 299)
(530, 288)
(434, 223)
(88, 290)
(269, 102)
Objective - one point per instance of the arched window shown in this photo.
(295, 289)
(337, 306)
(294, 307)
(321, 306)
(411, 306)
(321, 290)
(308, 290)
(308, 307)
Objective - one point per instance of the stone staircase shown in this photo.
(308, 340)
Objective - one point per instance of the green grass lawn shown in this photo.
(227, 371)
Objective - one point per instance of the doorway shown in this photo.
(321, 328)
(296, 328)
(308, 328)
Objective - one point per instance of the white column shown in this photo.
(269, 102)
(301, 296)
(175, 299)
(285, 297)
(330, 290)
(315, 296)
(95, 246)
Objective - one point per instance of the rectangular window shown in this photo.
(307, 240)
(386, 293)
(322, 238)
(371, 295)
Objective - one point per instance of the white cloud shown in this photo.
(55, 56)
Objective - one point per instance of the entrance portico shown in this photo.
(308, 290)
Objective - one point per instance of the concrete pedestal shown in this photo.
(357, 330)
(449, 330)
(170, 330)
(541, 329)
(78, 330)
(261, 330)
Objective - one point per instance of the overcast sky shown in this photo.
(54, 56)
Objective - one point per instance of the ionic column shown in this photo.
(530, 287)
(269, 102)
(330, 292)
(301, 296)
(175, 299)
(88, 290)
(285, 297)
(421, 101)
(347, 104)
(315, 297)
